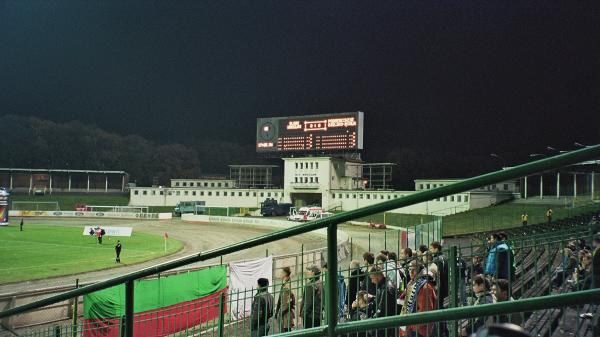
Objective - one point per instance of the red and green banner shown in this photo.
(162, 306)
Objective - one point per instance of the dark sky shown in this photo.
(462, 76)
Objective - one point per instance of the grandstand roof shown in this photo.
(30, 170)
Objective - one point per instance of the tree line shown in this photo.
(30, 142)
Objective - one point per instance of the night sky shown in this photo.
(470, 77)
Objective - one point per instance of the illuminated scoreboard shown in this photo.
(322, 133)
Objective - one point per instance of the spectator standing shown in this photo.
(497, 264)
(369, 261)
(285, 311)
(549, 213)
(440, 260)
(566, 268)
(360, 309)
(311, 308)
(355, 282)
(385, 300)
(481, 288)
(502, 295)
(261, 309)
(420, 297)
(477, 266)
(583, 275)
(524, 219)
(21, 225)
(596, 263)
(422, 253)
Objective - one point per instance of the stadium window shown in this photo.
(459, 198)
(466, 198)
(136, 192)
(153, 192)
(316, 179)
(317, 165)
(295, 179)
(194, 193)
(428, 186)
(389, 197)
(269, 194)
(395, 196)
(247, 194)
(176, 183)
(340, 195)
(311, 165)
(381, 196)
(296, 166)
(225, 193)
(434, 185)
(201, 193)
(217, 193)
(205, 184)
(305, 179)
(162, 193)
(306, 165)
(360, 196)
(451, 198)
(253, 194)
(301, 166)
(506, 187)
(226, 184)
(262, 194)
(420, 186)
(184, 184)
(239, 194)
(219, 184)
(368, 196)
(353, 196)
(210, 193)
(311, 179)
(185, 193)
(445, 198)
(178, 193)
(212, 184)
(332, 195)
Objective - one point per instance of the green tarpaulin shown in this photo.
(156, 293)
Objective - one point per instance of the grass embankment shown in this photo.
(42, 251)
(503, 216)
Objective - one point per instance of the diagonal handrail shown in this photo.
(557, 161)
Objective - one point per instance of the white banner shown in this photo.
(243, 279)
(110, 231)
(87, 214)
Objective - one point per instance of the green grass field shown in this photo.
(42, 251)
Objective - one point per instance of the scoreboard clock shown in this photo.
(319, 133)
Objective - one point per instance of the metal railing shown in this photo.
(331, 327)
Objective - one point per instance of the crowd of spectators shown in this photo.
(388, 284)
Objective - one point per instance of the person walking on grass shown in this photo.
(118, 251)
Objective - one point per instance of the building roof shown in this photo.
(253, 166)
(32, 170)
